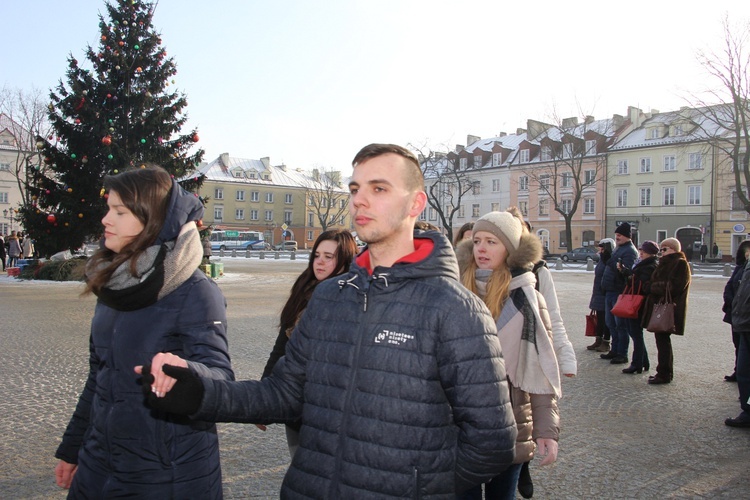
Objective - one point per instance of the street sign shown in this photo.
(231, 234)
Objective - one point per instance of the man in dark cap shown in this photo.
(613, 284)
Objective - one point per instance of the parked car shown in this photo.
(581, 253)
(288, 246)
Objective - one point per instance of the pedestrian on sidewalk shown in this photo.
(741, 323)
(152, 301)
(730, 290)
(395, 369)
(596, 304)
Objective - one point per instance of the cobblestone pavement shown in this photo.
(621, 437)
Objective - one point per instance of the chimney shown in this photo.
(520, 131)
(459, 148)
(224, 160)
(282, 167)
(316, 174)
(471, 139)
(266, 161)
(502, 134)
(569, 122)
(335, 177)
(588, 119)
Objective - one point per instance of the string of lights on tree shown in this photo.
(116, 113)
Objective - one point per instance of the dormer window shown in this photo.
(237, 173)
(477, 161)
(524, 156)
(654, 133)
(591, 147)
(677, 131)
(463, 163)
(546, 153)
(252, 175)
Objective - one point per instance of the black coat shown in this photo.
(640, 277)
(730, 290)
(673, 271)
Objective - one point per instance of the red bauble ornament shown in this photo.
(107, 140)
(51, 218)
(196, 138)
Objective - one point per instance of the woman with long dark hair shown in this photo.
(152, 301)
(333, 252)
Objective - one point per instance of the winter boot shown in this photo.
(604, 347)
(596, 344)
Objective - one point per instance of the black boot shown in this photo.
(525, 485)
(609, 355)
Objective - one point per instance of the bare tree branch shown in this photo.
(326, 197)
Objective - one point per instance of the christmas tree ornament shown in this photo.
(143, 141)
(196, 138)
(73, 156)
(80, 216)
(39, 144)
(109, 157)
(107, 140)
(51, 218)
(136, 46)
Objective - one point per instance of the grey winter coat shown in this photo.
(400, 382)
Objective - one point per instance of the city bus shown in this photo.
(237, 240)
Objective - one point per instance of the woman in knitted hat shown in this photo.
(496, 265)
(640, 276)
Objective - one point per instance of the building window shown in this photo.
(496, 158)
(589, 205)
(694, 195)
(591, 147)
(423, 215)
(566, 206)
(269, 197)
(495, 185)
(4, 197)
(288, 198)
(645, 165)
(476, 187)
(287, 217)
(477, 161)
(645, 198)
(524, 156)
(695, 161)
(239, 214)
(523, 183)
(218, 194)
(269, 216)
(310, 219)
(622, 198)
(240, 195)
(544, 207)
(254, 196)
(218, 213)
(342, 203)
(670, 163)
(461, 212)
(544, 182)
(237, 173)
(568, 150)
(669, 196)
(5, 166)
(309, 236)
(523, 206)
(655, 133)
(589, 176)
(563, 239)
(678, 131)
(495, 207)
(736, 202)
(622, 167)
(567, 179)
(253, 215)
(475, 210)
(463, 163)
(343, 220)
(433, 214)
(546, 153)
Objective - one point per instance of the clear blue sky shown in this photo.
(309, 83)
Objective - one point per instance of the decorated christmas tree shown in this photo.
(119, 112)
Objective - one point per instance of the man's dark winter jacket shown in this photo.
(127, 448)
(613, 280)
(741, 303)
(400, 381)
(597, 294)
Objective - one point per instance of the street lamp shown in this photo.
(5, 214)
(270, 226)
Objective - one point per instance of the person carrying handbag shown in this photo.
(671, 274)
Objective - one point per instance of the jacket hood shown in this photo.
(441, 261)
(529, 253)
(183, 208)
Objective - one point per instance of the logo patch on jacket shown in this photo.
(394, 338)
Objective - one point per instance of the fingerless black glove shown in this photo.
(185, 397)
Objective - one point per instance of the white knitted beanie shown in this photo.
(504, 225)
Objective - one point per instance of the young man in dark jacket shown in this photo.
(394, 367)
(741, 323)
(613, 284)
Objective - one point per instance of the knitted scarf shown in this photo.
(159, 271)
(530, 360)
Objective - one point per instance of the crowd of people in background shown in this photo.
(418, 367)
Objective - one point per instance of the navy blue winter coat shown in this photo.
(400, 382)
(597, 294)
(122, 447)
(613, 280)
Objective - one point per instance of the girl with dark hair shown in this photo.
(464, 233)
(331, 255)
(152, 302)
(730, 289)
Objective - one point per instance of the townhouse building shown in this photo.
(13, 154)
(283, 203)
(660, 179)
(730, 217)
